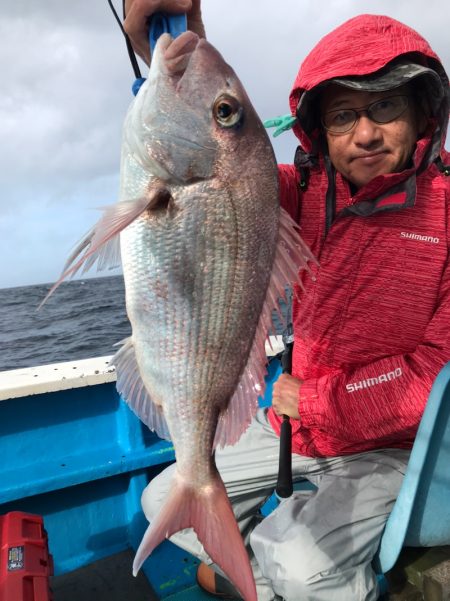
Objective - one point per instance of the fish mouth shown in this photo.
(187, 52)
(188, 142)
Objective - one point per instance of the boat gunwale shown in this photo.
(54, 377)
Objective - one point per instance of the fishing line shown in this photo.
(132, 56)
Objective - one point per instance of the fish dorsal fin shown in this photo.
(292, 256)
(132, 389)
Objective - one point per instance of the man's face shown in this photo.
(369, 148)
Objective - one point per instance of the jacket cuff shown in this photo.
(308, 404)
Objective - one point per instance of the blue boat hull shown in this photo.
(80, 458)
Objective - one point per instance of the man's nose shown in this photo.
(366, 131)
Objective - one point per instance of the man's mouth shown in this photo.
(370, 158)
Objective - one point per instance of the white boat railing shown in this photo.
(73, 374)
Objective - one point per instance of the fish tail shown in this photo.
(208, 512)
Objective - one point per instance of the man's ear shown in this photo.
(422, 111)
(422, 122)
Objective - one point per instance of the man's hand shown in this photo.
(139, 11)
(285, 396)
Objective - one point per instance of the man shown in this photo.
(369, 189)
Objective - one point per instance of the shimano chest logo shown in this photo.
(419, 237)
(391, 375)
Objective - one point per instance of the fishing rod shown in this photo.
(285, 487)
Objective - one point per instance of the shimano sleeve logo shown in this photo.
(420, 238)
(391, 375)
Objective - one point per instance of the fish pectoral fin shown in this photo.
(133, 391)
(292, 257)
(208, 511)
(101, 244)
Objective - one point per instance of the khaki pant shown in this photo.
(316, 546)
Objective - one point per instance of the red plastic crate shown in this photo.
(25, 563)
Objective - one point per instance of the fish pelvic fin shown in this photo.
(208, 511)
(133, 391)
(292, 257)
(101, 244)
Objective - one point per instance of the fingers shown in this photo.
(285, 396)
(136, 22)
(195, 21)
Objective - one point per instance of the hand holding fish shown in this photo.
(285, 396)
(138, 13)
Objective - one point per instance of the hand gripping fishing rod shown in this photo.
(159, 23)
(284, 485)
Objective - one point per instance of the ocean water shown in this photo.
(83, 319)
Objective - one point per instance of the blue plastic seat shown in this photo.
(421, 514)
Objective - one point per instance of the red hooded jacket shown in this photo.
(373, 330)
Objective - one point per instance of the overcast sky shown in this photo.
(65, 87)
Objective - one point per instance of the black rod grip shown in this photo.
(284, 485)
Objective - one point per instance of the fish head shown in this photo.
(191, 114)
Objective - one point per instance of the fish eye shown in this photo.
(227, 111)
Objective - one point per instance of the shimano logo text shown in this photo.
(391, 375)
(419, 237)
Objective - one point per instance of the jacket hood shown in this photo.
(362, 46)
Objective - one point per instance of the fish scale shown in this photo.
(180, 303)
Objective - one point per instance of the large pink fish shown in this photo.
(206, 253)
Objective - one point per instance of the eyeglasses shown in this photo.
(340, 121)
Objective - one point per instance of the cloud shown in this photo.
(66, 81)
(59, 118)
